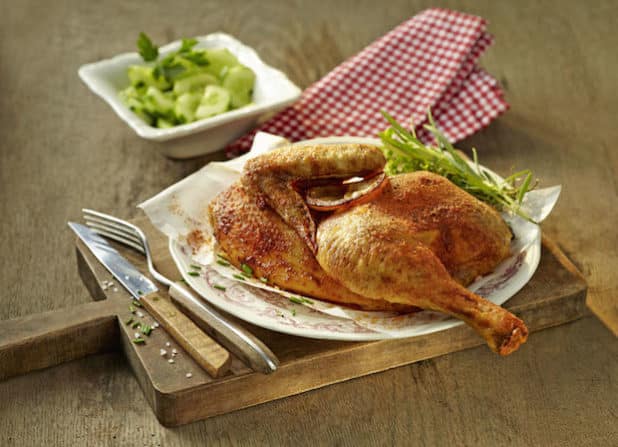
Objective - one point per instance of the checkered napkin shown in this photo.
(427, 62)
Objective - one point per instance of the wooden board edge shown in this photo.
(607, 313)
(359, 360)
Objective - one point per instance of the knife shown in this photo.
(203, 349)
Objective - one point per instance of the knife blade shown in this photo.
(203, 349)
(132, 279)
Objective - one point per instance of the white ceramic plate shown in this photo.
(273, 91)
(275, 312)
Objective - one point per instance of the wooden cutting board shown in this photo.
(555, 295)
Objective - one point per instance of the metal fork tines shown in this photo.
(235, 338)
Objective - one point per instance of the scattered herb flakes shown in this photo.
(146, 329)
(246, 269)
(293, 312)
(264, 280)
(195, 266)
(223, 263)
(220, 256)
(132, 309)
(239, 277)
(136, 324)
(300, 300)
(218, 287)
(137, 303)
(193, 273)
(129, 321)
(139, 341)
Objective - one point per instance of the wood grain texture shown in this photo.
(61, 149)
(555, 295)
(203, 349)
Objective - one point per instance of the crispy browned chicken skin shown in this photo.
(415, 244)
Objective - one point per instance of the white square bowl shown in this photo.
(272, 92)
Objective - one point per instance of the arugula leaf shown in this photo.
(147, 49)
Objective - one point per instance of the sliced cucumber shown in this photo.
(218, 60)
(157, 102)
(131, 97)
(186, 105)
(144, 76)
(186, 85)
(164, 124)
(240, 80)
(194, 82)
(214, 101)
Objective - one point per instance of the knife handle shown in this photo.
(203, 349)
(235, 338)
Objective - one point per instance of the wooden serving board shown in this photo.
(555, 295)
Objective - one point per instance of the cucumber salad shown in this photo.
(186, 85)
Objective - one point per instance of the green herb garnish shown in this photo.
(131, 308)
(193, 273)
(196, 267)
(146, 329)
(217, 286)
(223, 263)
(264, 280)
(139, 341)
(136, 324)
(187, 44)
(147, 49)
(405, 153)
(240, 277)
(137, 303)
(129, 321)
(300, 300)
(293, 312)
(247, 269)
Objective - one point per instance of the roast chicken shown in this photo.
(410, 241)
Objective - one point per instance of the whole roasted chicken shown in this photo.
(324, 221)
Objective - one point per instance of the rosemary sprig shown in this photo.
(405, 153)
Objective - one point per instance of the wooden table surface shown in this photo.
(62, 148)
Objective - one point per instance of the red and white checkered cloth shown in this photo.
(427, 62)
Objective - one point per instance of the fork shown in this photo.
(233, 337)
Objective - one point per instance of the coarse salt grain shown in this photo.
(155, 324)
(115, 289)
(168, 344)
(189, 375)
(136, 335)
(140, 314)
(170, 361)
(174, 351)
(162, 352)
